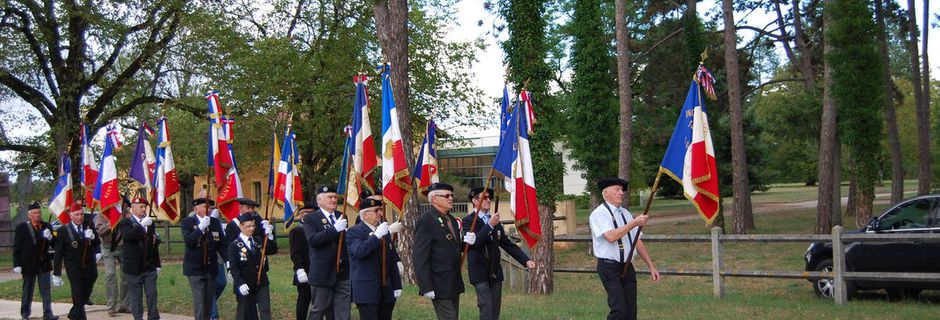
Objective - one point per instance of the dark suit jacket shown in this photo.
(232, 231)
(299, 252)
(323, 241)
(484, 256)
(197, 262)
(30, 248)
(244, 263)
(365, 263)
(141, 248)
(436, 255)
(70, 245)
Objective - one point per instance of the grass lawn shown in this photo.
(580, 296)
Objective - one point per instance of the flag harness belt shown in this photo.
(620, 241)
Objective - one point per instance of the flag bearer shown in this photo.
(78, 247)
(31, 242)
(141, 264)
(437, 250)
(244, 258)
(373, 264)
(203, 237)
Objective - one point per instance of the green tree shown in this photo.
(854, 56)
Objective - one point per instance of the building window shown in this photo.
(256, 185)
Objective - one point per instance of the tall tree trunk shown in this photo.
(626, 95)
(540, 278)
(827, 146)
(836, 217)
(894, 141)
(925, 73)
(923, 109)
(391, 19)
(741, 207)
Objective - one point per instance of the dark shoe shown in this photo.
(124, 310)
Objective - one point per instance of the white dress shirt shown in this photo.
(601, 222)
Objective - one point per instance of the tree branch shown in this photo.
(36, 150)
(26, 28)
(762, 85)
(32, 96)
(116, 51)
(293, 21)
(657, 44)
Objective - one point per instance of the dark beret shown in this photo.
(439, 186)
(606, 182)
(247, 202)
(369, 203)
(476, 191)
(35, 205)
(326, 189)
(199, 201)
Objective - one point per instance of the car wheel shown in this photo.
(825, 288)
(895, 294)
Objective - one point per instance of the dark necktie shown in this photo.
(450, 226)
(251, 244)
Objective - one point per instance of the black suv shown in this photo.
(920, 214)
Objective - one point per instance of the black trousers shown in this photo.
(303, 300)
(380, 311)
(81, 286)
(621, 291)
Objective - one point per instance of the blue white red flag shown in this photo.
(114, 134)
(690, 156)
(362, 150)
(287, 190)
(228, 185)
(526, 203)
(396, 182)
(425, 171)
(107, 190)
(62, 197)
(89, 168)
(166, 182)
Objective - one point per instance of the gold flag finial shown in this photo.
(704, 56)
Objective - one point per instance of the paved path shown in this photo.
(10, 309)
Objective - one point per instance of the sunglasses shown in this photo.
(449, 195)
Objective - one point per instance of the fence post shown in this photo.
(718, 281)
(168, 242)
(840, 295)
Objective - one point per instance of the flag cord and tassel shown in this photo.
(646, 211)
(483, 197)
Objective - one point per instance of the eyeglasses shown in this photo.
(449, 195)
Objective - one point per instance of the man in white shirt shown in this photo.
(613, 230)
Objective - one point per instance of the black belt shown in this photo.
(610, 261)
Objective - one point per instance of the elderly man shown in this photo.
(300, 256)
(612, 232)
(141, 264)
(31, 242)
(373, 264)
(78, 247)
(483, 261)
(244, 253)
(203, 237)
(436, 252)
(329, 280)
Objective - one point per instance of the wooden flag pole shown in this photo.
(646, 211)
(339, 248)
(483, 197)
(384, 254)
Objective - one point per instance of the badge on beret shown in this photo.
(75, 244)
(324, 189)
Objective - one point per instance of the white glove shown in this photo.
(243, 289)
(265, 224)
(396, 227)
(18, 270)
(470, 238)
(381, 230)
(340, 225)
(429, 295)
(146, 221)
(397, 293)
(269, 231)
(97, 257)
(215, 213)
(158, 270)
(89, 235)
(228, 277)
(56, 281)
(47, 234)
(301, 276)
(204, 223)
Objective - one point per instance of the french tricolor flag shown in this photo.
(287, 190)
(525, 201)
(690, 157)
(107, 191)
(62, 197)
(362, 149)
(425, 171)
(166, 182)
(396, 183)
(89, 165)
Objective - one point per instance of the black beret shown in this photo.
(309, 205)
(247, 202)
(476, 191)
(35, 205)
(606, 182)
(369, 203)
(246, 217)
(199, 201)
(326, 189)
(367, 193)
(439, 186)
